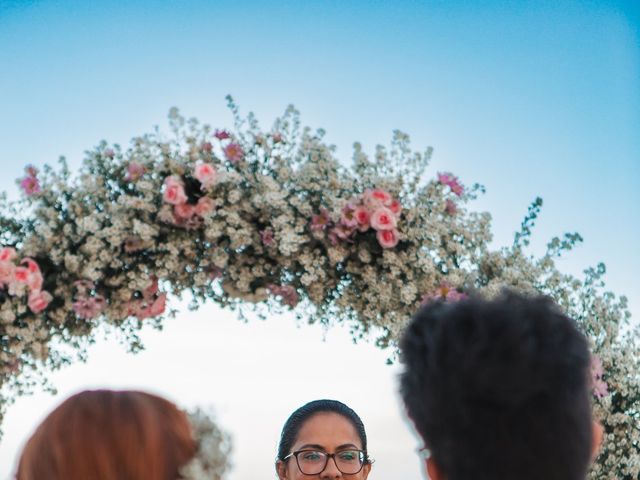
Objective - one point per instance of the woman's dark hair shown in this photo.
(294, 423)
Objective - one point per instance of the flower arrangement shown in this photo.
(213, 449)
(266, 221)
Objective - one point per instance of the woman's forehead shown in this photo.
(328, 430)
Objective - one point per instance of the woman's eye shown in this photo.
(348, 456)
(312, 456)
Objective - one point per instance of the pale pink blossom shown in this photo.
(206, 147)
(450, 207)
(396, 207)
(341, 232)
(267, 237)
(7, 254)
(222, 135)
(159, 305)
(388, 238)
(30, 185)
(452, 182)
(287, 293)
(233, 152)
(39, 300)
(363, 217)
(320, 221)
(206, 174)
(277, 137)
(444, 292)
(88, 308)
(184, 210)
(174, 191)
(7, 273)
(109, 153)
(383, 219)
(21, 275)
(376, 198)
(598, 385)
(347, 218)
(34, 281)
(205, 206)
(31, 264)
(134, 171)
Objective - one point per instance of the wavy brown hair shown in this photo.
(109, 435)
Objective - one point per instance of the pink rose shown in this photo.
(39, 300)
(34, 281)
(388, 238)
(233, 152)
(347, 218)
(134, 172)
(396, 207)
(7, 254)
(21, 275)
(205, 174)
(452, 182)
(184, 210)
(32, 266)
(204, 206)
(30, 185)
(375, 198)
(7, 273)
(363, 217)
(383, 219)
(158, 306)
(174, 191)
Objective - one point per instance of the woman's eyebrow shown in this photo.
(312, 446)
(348, 445)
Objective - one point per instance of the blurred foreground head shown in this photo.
(109, 435)
(499, 389)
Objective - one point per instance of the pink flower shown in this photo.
(109, 153)
(341, 232)
(287, 293)
(233, 152)
(598, 385)
(7, 272)
(158, 306)
(444, 292)
(34, 281)
(184, 211)
(320, 221)
(30, 185)
(21, 275)
(396, 207)
(204, 206)
(452, 182)
(39, 300)
(450, 207)
(222, 135)
(32, 265)
(174, 191)
(205, 174)
(376, 198)
(363, 217)
(383, 219)
(89, 308)
(152, 289)
(266, 236)
(277, 137)
(206, 147)
(7, 254)
(134, 172)
(31, 170)
(348, 218)
(388, 238)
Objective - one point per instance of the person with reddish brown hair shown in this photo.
(109, 435)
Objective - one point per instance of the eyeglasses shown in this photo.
(313, 462)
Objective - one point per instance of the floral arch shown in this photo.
(268, 221)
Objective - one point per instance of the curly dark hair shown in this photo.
(499, 389)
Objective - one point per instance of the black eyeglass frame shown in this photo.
(361, 454)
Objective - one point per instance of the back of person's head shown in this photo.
(109, 435)
(499, 389)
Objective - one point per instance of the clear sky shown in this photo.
(527, 98)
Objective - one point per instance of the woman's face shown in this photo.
(329, 433)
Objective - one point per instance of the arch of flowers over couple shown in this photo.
(497, 390)
(263, 221)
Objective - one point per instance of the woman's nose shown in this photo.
(331, 470)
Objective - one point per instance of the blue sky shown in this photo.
(527, 98)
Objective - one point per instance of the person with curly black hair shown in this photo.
(499, 389)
